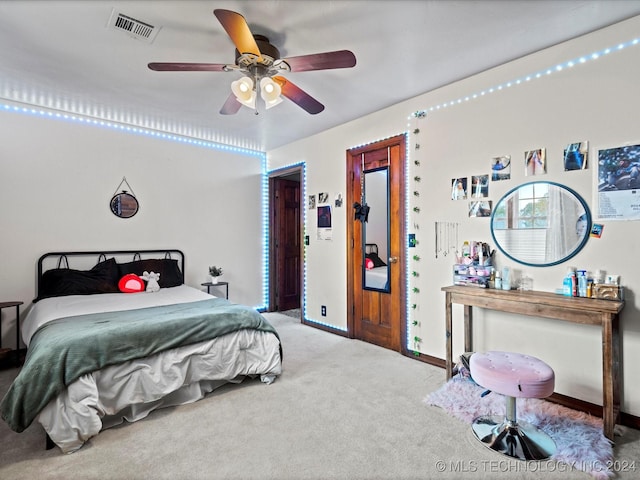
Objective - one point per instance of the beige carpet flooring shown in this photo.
(342, 409)
(295, 313)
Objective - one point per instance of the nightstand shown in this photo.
(8, 305)
(219, 284)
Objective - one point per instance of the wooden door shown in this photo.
(286, 244)
(376, 316)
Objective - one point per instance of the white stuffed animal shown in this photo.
(152, 281)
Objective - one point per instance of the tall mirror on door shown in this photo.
(541, 223)
(375, 230)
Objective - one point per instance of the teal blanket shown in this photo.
(63, 350)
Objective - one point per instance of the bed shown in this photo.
(97, 356)
(376, 276)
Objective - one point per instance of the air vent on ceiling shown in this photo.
(136, 28)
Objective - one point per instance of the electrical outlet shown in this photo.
(323, 310)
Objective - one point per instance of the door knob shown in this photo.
(393, 259)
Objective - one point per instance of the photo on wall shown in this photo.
(480, 208)
(619, 168)
(312, 202)
(324, 230)
(479, 186)
(501, 168)
(575, 156)
(596, 230)
(459, 188)
(619, 183)
(535, 162)
(324, 216)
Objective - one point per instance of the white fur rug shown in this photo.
(579, 439)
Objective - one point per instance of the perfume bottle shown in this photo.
(497, 281)
(506, 278)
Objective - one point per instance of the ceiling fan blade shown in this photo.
(187, 67)
(299, 96)
(237, 28)
(231, 106)
(322, 61)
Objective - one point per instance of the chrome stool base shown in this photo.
(520, 440)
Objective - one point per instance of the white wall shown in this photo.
(596, 101)
(57, 178)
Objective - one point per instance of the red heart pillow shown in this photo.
(131, 283)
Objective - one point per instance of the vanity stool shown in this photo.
(512, 375)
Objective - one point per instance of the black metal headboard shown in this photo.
(86, 260)
(371, 248)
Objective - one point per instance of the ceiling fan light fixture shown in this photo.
(244, 92)
(270, 92)
(257, 58)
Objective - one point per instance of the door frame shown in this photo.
(285, 172)
(352, 295)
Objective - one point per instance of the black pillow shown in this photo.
(59, 282)
(170, 274)
(377, 261)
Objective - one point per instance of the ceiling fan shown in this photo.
(261, 65)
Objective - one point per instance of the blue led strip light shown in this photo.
(407, 171)
(180, 139)
(265, 236)
(542, 73)
(303, 195)
(126, 128)
(519, 81)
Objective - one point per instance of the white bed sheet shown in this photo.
(131, 390)
(376, 277)
(53, 308)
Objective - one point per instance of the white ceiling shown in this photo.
(62, 55)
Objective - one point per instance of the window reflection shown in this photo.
(537, 223)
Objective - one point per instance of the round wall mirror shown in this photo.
(540, 223)
(124, 205)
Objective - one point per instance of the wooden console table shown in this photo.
(587, 311)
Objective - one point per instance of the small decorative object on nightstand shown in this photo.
(217, 284)
(215, 272)
(8, 305)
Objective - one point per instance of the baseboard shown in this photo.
(629, 420)
(438, 362)
(625, 419)
(580, 405)
(326, 328)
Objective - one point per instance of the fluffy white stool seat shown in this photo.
(513, 375)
